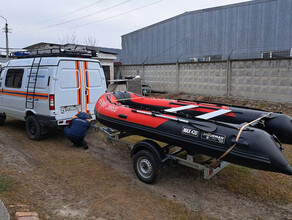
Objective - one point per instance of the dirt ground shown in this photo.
(60, 181)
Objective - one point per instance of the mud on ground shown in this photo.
(60, 181)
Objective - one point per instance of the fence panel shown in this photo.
(269, 80)
(203, 78)
(160, 77)
(259, 79)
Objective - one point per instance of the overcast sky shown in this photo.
(103, 21)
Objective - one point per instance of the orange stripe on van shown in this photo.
(77, 82)
(80, 83)
(23, 94)
(85, 84)
(87, 81)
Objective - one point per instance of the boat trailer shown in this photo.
(148, 156)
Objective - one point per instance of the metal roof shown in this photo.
(203, 11)
(237, 31)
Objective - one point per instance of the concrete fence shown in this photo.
(269, 80)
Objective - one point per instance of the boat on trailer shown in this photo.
(246, 137)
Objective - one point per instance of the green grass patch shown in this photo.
(6, 184)
(262, 105)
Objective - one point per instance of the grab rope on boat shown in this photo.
(127, 99)
(237, 138)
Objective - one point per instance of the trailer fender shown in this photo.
(151, 146)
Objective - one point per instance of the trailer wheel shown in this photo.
(146, 166)
(33, 128)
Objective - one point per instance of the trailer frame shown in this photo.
(170, 159)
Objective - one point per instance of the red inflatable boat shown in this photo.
(247, 137)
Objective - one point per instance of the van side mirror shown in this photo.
(1, 69)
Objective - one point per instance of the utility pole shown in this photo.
(7, 48)
(6, 33)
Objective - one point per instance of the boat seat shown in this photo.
(213, 114)
(174, 110)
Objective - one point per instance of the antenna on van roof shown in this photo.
(68, 50)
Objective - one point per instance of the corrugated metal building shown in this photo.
(255, 29)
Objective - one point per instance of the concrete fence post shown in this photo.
(177, 77)
(228, 77)
(143, 69)
(177, 73)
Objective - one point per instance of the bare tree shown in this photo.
(69, 38)
(90, 41)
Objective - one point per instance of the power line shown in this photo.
(80, 9)
(103, 19)
(69, 13)
(82, 17)
(114, 16)
(3, 18)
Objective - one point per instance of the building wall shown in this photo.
(107, 60)
(259, 79)
(237, 31)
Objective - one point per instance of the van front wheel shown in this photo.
(2, 119)
(33, 128)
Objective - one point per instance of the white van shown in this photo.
(49, 91)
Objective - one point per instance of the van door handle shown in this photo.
(86, 92)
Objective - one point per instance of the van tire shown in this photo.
(33, 128)
(2, 119)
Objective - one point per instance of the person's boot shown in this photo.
(84, 145)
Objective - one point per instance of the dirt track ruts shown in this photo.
(60, 181)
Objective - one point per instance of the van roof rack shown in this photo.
(64, 51)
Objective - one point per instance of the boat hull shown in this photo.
(276, 124)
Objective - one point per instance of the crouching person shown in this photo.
(76, 131)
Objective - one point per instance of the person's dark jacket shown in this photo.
(78, 126)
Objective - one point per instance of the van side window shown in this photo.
(14, 78)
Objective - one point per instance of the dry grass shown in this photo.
(267, 187)
(60, 180)
(257, 185)
(11, 189)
